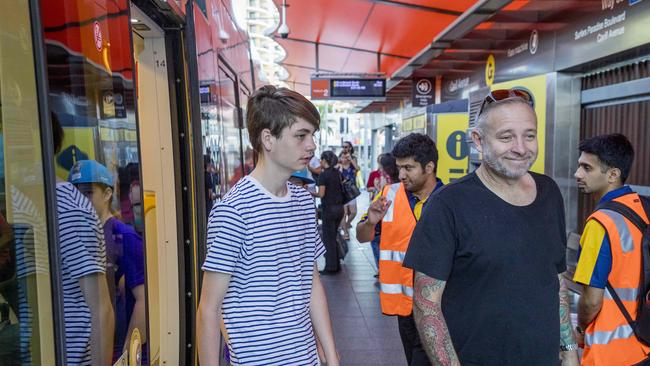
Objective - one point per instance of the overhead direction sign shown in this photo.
(348, 88)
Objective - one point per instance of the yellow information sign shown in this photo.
(536, 86)
(78, 144)
(451, 136)
(490, 70)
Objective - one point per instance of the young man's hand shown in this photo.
(377, 210)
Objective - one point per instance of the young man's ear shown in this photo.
(266, 138)
(614, 175)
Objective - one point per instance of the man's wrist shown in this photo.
(569, 347)
(370, 224)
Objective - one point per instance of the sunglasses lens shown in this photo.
(521, 94)
(500, 94)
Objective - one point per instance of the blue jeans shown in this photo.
(374, 244)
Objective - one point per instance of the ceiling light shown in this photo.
(133, 20)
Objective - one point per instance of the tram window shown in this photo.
(25, 295)
(99, 194)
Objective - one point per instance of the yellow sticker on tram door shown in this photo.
(451, 136)
(135, 348)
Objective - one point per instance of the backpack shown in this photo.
(640, 325)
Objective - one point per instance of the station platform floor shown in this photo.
(362, 334)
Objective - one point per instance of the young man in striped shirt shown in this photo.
(260, 275)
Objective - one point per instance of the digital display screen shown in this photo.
(358, 88)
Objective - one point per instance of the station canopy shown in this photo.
(407, 38)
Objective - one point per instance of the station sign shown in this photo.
(320, 88)
(618, 26)
(348, 88)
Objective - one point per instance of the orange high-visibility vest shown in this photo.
(396, 282)
(609, 339)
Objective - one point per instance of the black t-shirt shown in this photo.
(501, 262)
(331, 179)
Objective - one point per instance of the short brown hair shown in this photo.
(276, 108)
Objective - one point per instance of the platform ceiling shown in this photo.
(352, 33)
(360, 36)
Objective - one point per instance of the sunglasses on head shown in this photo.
(499, 95)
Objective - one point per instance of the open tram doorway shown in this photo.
(159, 204)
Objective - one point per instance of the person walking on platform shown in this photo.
(331, 195)
(373, 179)
(489, 251)
(398, 208)
(260, 275)
(610, 255)
(348, 169)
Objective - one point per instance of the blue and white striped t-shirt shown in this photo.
(268, 244)
(82, 251)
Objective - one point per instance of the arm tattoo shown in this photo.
(430, 321)
(566, 331)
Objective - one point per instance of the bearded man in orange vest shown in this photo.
(610, 253)
(393, 215)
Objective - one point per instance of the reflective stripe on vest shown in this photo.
(390, 196)
(622, 332)
(623, 233)
(625, 294)
(392, 255)
(396, 289)
(609, 339)
(396, 282)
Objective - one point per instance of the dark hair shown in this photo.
(276, 108)
(57, 133)
(613, 151)
(389, 164)
(351, 146)
(419, 147)
(330, 158)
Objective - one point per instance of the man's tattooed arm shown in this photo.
(430, 322)
(568, 357)
(566, 331)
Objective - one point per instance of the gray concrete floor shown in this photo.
(363, 335)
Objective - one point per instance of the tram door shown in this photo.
(159, 202)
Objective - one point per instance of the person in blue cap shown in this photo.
(301, 179)
(124, 253)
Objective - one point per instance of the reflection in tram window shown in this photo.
(26, 334)
(87, 308)
(124, 252)
(91, 83)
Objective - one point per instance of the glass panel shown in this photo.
(231, 150)
(99, 200)
(26, 335)
(212, 140)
